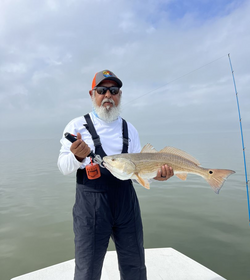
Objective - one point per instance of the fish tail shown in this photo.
(217, 177)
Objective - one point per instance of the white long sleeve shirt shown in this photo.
(110, 136)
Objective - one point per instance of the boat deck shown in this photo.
(162, 264)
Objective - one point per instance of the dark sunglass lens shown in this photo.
(114, 90)
(101, 90)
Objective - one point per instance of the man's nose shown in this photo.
(108, 94)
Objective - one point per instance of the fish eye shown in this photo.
(211, 172)
(113, 159)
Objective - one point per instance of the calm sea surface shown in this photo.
(36, 204)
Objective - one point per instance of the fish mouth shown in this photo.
(109, 167)
(106, 165)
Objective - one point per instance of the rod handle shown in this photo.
(72, 139)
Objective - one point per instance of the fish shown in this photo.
(143, 166)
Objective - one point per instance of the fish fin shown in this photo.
(182, 176)
(143, 182)
(175, 151)
(148, 148)
(138, 181)
(217, 177)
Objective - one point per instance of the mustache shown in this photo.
(110, 100)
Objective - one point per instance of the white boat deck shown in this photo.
(162, 264)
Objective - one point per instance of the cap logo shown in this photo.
(107, 74)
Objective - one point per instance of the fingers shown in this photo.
(164, 173)
(167, 171)
(79, 148)
(79, 136)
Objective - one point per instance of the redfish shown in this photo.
(144, 166)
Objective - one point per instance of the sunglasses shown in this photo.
(103, 90)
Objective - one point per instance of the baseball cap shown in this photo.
(105, 75)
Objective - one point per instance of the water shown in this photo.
(36, 204)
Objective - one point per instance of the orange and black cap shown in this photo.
(105, 75)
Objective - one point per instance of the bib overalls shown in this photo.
(107, 207)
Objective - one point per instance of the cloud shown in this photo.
(171, 57)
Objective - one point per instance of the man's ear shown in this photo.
(90, 93)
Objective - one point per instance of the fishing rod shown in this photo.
(242, 138)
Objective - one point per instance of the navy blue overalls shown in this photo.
(107, 207)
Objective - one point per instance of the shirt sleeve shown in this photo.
(67, 163)
(134, 140)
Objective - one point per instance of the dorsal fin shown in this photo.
(148, 148)
(175, 151)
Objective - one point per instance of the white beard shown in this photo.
(108, 113)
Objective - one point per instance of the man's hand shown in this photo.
(80, 149)
(164, 173)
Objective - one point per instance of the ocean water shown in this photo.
(36, 207)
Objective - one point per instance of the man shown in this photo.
(105, 207)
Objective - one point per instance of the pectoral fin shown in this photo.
(182, 176)
(143, 182)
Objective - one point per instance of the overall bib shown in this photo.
(107, 207)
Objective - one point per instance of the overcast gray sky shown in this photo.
(170, 55)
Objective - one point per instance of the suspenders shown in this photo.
(91, 129)
(81, 176)
(125, 136)
(96, 139)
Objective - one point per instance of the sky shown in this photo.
(172, 57)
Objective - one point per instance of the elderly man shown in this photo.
(106, 206)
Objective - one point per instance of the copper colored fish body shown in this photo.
(144, 166)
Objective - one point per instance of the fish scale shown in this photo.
(149, 162)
